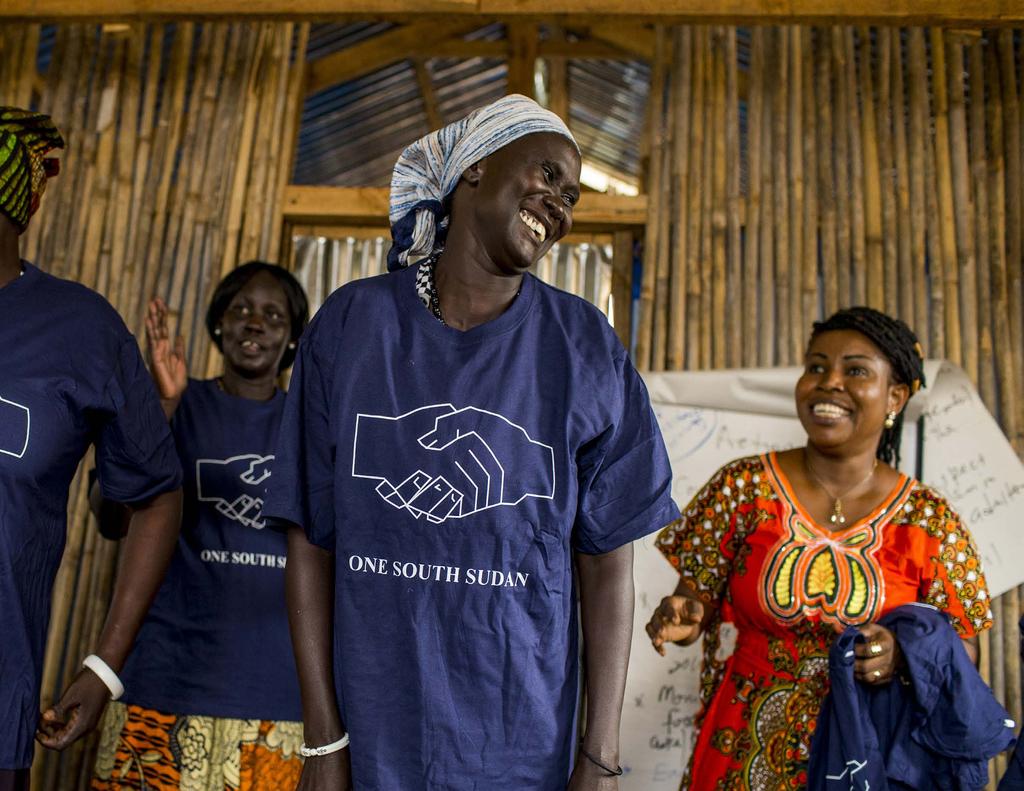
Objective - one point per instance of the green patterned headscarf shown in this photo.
(25, 139)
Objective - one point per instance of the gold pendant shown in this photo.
(837, 513)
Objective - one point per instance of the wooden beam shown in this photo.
(558, 87)
(430, 106)
(368, 206)
(635, 39)
(590, 48)
(522, 59)
(380, 51)
(922, 12)
(951, 13)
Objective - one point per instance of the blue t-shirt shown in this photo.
(216, 639)
(70, 375)
(453, 474)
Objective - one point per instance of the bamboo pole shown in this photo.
(236, 204)
(809, 286)
(827, 180)
(874, 255)
(944, 182)
(767, 263)
(682, 114)
(751, 264)
(719, 206)
(146, 81)
(696, 190)
(908, 287)
(21, 87)
(796, 189)
(655, 134)
(1009, 396)
(998, 675)
(967, 276)
(734, 303)
(844, 230)
(266, 80)
(707, 204)
(294, 114)
(622, 283)
(1011, 641)
(780, 195)
(169, 135)
(979, 186)
(662, 255)
(922, 153)
(999, 181)
(1013, 141)
(886, 173)
(858, 252)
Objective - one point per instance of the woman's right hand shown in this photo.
(167, 363)
(331, 772)
(677, 620)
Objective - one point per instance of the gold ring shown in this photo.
(874, 649)
(876, 675)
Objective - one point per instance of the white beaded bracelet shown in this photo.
(327, 749)
(107, 676)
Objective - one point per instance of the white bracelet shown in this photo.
(327, 749)
(107, 676)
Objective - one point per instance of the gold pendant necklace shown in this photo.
(837, 517)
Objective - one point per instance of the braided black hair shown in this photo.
(901, 348)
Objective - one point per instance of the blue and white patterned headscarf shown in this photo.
(429, 170)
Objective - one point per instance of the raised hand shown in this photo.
(166, 361)
(677, 620)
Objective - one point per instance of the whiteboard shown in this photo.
(710, 418)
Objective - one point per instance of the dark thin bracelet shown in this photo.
(616, 772)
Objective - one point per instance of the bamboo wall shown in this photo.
(177, 152)
(875, 166)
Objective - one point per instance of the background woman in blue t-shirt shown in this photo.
(212, 697)
(71, 376)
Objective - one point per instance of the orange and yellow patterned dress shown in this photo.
(146, 749)
(789, 586)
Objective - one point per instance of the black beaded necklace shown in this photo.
(427, 287)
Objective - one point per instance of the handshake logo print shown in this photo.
(443, 463)
(235, 486)
(15, 421)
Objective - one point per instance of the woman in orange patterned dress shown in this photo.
(794, 546)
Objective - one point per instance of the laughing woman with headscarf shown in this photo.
(457, 436)
(70, 376)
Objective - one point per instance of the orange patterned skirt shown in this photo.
(146, 749)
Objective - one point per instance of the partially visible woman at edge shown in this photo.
(212, 697)
(869, 539)
(70, 376)
(457, 437)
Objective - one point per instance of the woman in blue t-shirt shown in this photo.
(70, 376)
(212, 698)
(459, 439)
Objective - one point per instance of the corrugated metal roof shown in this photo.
(352, 133)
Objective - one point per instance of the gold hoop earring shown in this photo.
(890, 420)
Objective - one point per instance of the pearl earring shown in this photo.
(890, 420)
(216, 331)
(291, 345)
